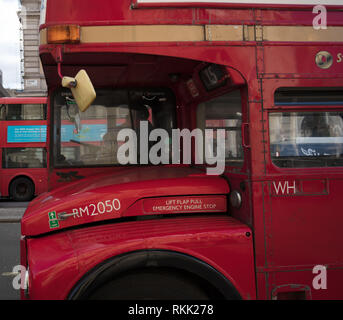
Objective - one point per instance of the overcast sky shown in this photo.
(9, 43)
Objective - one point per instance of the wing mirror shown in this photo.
(81, 88)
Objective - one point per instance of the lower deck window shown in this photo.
(23, 158)
(306, 139)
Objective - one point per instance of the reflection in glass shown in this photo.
(306, 139)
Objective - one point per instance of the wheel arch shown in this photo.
(143, 259)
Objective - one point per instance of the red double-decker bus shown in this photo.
(267, 226)
(23, 147)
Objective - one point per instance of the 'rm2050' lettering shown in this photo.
(101, 207)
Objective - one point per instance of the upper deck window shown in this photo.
(23, 112)
(309, 96)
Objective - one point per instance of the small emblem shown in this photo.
(54, 224)
(52, 215)
(324, 59)
(53, 221)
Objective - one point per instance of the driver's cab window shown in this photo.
(224, 112)
(90, 138)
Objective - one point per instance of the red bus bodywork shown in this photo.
(288, 221)
(38, 176)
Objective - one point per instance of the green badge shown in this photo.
(53, 222)
(52, 215)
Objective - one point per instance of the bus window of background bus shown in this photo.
(90, 138)
(20, 112)
(23, 158)
(307, 138)
(224, 112)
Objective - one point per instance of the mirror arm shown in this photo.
(71, 82)
(59, 70)
(66, 81)
(57, 54)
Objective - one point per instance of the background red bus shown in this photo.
(23, 147)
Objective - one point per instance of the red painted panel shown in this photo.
(301, 60)
(58, 261)
(24, 100)
(105, 197)
(308, 223)
(51, 259)
(319, 186)
(305, 279)
(120, 12)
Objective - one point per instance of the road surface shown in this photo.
(10, 215)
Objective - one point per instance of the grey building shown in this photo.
(33, 81)
(3, 91)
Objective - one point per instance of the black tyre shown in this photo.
(150, 285)
(22, 189)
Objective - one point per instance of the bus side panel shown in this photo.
(220, 241)
(294, 247)
(301, 60)
(262, 288)
(301, 202)
(291, 256)
(312, 284)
